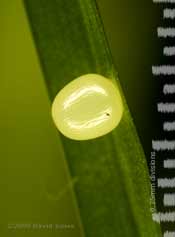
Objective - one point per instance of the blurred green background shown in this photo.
(38, 191)
(36, 184)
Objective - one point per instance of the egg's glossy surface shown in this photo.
(88, 107)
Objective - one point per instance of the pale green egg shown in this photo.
(88, 107)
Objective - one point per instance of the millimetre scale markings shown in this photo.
(169, 89)
(169, 199)
(164, 1)
(169, 126)
(169, 13)
(165, 32)
(169, 51)
(163, 145)
(166, 183)
(169, 164)
(163, 70)
(166, 107)
(169, 234)
(164, 217)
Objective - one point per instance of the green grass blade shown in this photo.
(112, 186)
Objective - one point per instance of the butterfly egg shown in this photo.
(88, 107)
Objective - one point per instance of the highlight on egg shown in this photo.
(88, 107)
